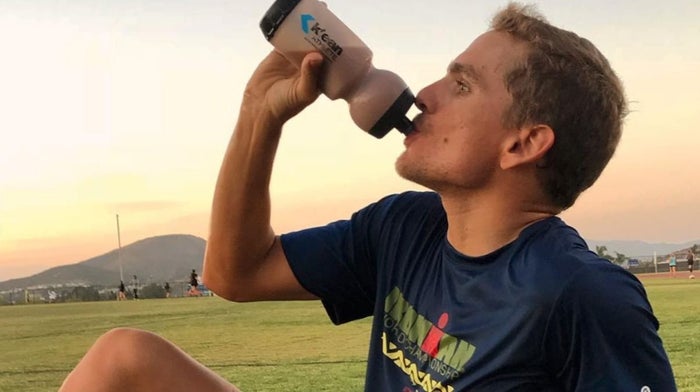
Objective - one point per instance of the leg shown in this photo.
(126, 359)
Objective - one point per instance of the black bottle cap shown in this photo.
(395, 117)
(275, 15)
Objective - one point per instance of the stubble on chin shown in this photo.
(423, 173)
(401, 166)
(411, 171)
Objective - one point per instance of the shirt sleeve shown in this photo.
(604, 335)
(337, 263)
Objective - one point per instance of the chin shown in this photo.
(412, 172)
(403, 165)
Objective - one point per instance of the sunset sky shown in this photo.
(126, 106)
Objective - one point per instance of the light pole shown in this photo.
(119, 254)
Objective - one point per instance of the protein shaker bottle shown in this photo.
(378, 99)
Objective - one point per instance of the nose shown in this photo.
(425, 100)
(420, 102)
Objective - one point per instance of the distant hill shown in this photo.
(170, 258)
(157, 259)
(639, 248)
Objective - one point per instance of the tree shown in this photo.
(619, 258)
(601, 251)
(694, 248)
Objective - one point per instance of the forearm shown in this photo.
(240, 232)
(242, 261)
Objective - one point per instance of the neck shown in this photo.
(478, 226)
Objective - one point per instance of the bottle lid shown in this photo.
(395, 116)
(275, 15)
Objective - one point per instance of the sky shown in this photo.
(126, 107)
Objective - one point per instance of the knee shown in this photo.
(120, 347)
(112, 362)
(121, 336)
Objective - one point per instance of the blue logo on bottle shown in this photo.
(305, 19)
(317, 36)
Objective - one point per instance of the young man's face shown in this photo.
(459, 135)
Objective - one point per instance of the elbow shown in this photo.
(224, 288)
(221, 281)
(235, 274)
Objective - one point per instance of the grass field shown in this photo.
(275, 346)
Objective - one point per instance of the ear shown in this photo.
(527, 145)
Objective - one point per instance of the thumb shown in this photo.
(309, 80)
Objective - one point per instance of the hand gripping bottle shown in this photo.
(378, 99)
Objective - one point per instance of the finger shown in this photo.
(308, 88)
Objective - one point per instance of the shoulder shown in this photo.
(381, 220)
(560, 256)
(402, 207)
(400, 219)
(588, 283)
(562, 245)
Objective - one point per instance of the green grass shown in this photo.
(273, 346)
(676, 304)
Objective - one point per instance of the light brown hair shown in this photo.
(566, 83)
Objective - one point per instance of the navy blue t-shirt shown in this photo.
(543, 313)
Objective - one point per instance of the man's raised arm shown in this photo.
(244, 260)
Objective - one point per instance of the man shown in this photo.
(476, 287)
(121, 296)
(672, 265)
(194, 283)
(691, 261)
(135, 286)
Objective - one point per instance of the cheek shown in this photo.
(468, 148)
(453, 151)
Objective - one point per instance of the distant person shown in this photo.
(194, 283)
(672, 265)
(691, 260)
(167, 290)
(121, 295)
(135, 286)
